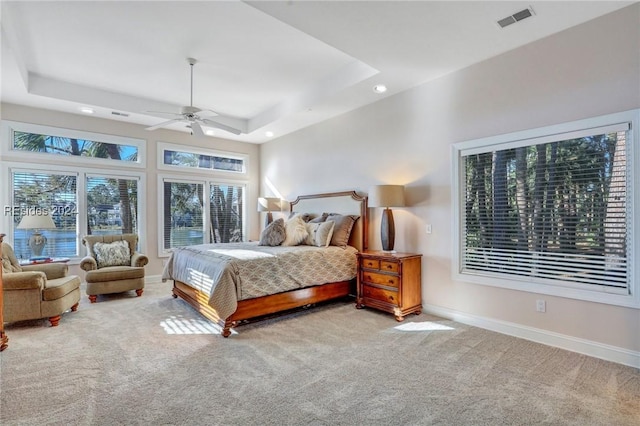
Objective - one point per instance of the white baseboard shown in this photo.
(570, 343)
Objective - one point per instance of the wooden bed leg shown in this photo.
(226, 330)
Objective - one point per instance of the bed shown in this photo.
(235, 282)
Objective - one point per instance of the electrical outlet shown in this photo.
(541, 306)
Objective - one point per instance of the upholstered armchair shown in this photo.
(113, 265)
(37, 291)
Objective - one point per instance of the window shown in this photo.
(186, 219)
(200, 160)
(69, 175)
(551, 211)
(28, 140)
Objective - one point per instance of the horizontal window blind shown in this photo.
(226, 213)
(183, 213)
(112, 205)
(552, 212)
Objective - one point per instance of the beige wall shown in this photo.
(150, 223)
(590, 70)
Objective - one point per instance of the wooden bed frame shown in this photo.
(348, 202)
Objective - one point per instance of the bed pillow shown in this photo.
(273, 234)
(319, 234)
(116, 253)
(296, 231)
(306, 217)
(342, 228)
(320, 219)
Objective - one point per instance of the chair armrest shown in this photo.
(88, 263)
(23, 280)
(51, 270)
(139, 259)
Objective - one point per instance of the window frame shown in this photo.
(8, 128)
(552, 133)
(206, 180)
(164, 146)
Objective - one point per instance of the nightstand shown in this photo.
(390, 282)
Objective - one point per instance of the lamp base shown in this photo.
(268, 219)
(36, 243)
(387, 231)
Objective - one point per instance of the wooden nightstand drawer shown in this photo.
(381, 294)
(389, 266)
(382, 279)
(371, 263)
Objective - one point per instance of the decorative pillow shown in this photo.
(116, 253)
(273, 234)
(305, 216)
(7, 267)
(342, 229)
(296, 231)
(319, 234)
(319, 219)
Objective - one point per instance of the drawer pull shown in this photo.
(391, 282)
(389, 267)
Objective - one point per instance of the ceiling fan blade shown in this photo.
(164, 123)
(207, 113)
(221, 126)
(197, 130)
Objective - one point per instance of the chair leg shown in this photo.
(75, 307)
(54, 320)
(93, 298)
(139, 292)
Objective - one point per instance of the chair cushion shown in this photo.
(114, 273)
(60, 287)
(116, 253)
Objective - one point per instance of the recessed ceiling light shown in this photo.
(86, 110)
(268, 134)
(379, 88)
(209, 132)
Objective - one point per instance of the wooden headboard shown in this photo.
(347, 203)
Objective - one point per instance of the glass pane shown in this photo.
(226, 210)
(46, 194)
(112, 206)
(556, 211)
(57, 145)
(201, 161)
(183, 211)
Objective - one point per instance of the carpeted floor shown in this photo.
(154, 361)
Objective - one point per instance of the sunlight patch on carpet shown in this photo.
(179, 324)
(422, 326)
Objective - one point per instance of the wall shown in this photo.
(586, 71)
(72, 121)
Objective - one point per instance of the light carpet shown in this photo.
(152, 360)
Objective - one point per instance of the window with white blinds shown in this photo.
(200, 211)
(553, 210)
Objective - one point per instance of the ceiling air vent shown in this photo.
(121, 114)
(518, 16)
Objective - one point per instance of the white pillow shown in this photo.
(319, 233)
(296, 231)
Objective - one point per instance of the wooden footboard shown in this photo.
(261, 306)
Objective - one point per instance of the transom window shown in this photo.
(200, 160)
(550, 211)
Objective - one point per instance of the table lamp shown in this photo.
(37, 241)
(387, 196)
(267, 204)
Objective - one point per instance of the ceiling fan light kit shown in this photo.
(193, 116)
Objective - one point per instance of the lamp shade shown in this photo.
(386, 196)
(268, 204)
(40, 221)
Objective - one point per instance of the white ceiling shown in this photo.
(270, 66)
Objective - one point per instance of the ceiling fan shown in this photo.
(193, 116)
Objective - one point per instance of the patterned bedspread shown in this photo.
(236, 271)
